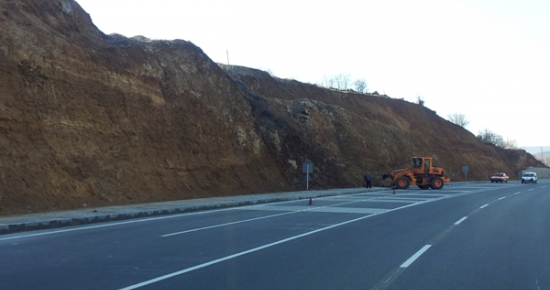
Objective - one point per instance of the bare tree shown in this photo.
(490, 137)
(342, 81)
(511, 144)
(459, 119)
(499, 141)
(420, 100)
(328, 82)
(360, 85)
(339, 82)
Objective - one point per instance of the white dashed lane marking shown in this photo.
(461, 220)
(415, 256)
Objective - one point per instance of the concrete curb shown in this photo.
(42, 221)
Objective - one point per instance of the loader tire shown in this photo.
(402, 183)
(437, 183)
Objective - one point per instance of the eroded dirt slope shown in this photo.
(106, 120)
(352, 132)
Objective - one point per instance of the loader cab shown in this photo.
(422, 165)
(427, 165)
(417, 162)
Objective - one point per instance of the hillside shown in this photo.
(381, 132)
(108, 120)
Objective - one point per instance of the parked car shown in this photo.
(499, 177)
(529, 177)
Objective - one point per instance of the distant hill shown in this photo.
(537, 149)
(542, 153)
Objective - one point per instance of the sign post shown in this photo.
(465, 171)
(307, 168)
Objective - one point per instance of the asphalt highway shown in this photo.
(465, 236)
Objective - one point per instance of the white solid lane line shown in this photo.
(461, 220)
(375, 199)
(415, 256)
(485, 205)
(264, 217)
(109, 224)
(258, 218)
(233, 223)
(168, 276)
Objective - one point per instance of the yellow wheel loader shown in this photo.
(423, 174)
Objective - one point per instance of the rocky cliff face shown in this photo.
(347, 133)
(105, 120)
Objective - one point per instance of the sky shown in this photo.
(486, 59)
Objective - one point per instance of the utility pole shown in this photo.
(227, 52)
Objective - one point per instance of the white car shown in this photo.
(528, 177)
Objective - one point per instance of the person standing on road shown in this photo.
(368, 180)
